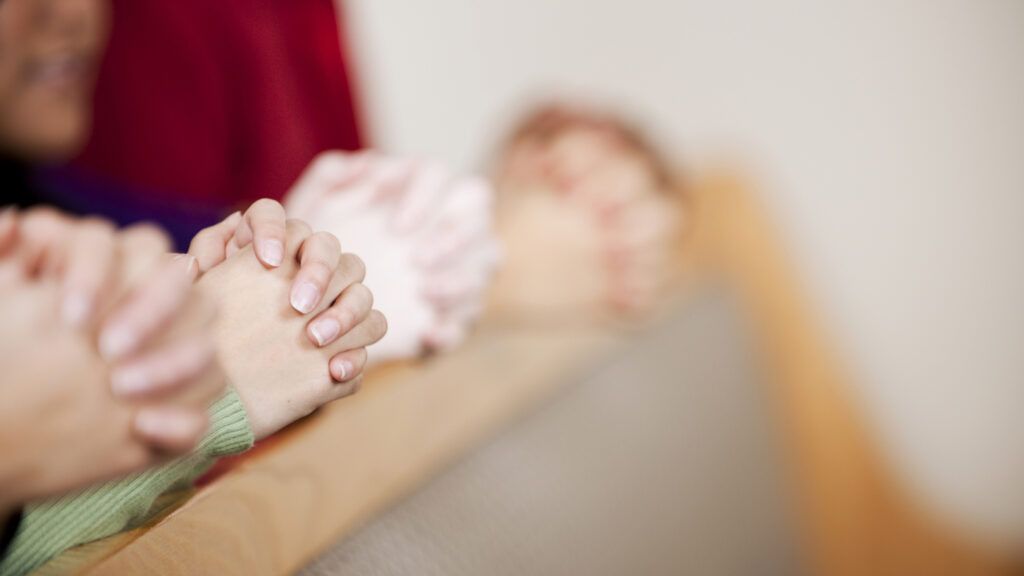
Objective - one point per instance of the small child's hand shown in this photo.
(264, 226)
(640, 244)
(283, 365)
(427, 236)
(458, 253)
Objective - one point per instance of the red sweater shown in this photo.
(203, 106)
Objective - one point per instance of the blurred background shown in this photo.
(885, 140)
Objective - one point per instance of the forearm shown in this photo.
(52, 526)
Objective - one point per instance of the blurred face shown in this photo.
(48, 55)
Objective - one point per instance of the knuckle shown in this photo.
(266, 214)
(202, 237)
(359, 358)
(327, 158)
(363, 294)
(328, 242)
(318, 272)
(265, 205)
(370, 156)
(355, 266)
(148, 236)
(43, 214)
(206, 235)
(298, 227)
(43, 222)
(351, 387)
(201, 246)
(96, 226)
(376, 324)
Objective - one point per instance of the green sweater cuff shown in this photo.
(230, 432)
(51, 526)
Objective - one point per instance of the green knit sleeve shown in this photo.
(51, 526)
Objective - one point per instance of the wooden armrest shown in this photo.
(332, 471)
(857, 518)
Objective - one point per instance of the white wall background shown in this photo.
(888, 134)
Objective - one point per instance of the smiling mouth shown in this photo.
(61, 72)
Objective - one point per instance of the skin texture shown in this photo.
(319, 260)
(48, 55)
(427, 235)
(269, 355)
(48, 407)
(137, 371)
(263, 226)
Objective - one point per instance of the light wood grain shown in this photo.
(339, 467)
(857, 519)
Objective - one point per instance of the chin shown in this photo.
(53, 142)
(46, 127)
(65, 148)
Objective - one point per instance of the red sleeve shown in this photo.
(297, 99)
(220, 102)
(162, 119)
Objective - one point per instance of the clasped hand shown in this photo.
(272, 280)
(113, 349)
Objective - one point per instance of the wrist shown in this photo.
(230, 430)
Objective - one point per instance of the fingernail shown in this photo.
(126, 382)
(165, 423)
(272, 251)
(305, 296)
(325, 330)
(116, 341)
(343, 369)
(76, 308)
